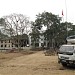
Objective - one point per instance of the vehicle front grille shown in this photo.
(62, 57)
(66, 53)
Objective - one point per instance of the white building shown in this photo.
(6, 44)
(15, 43)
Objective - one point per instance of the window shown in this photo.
(9, 41)
(36, 44)
(37, 40)
(5, 41)
(41, 39)
(16, 45)
(16, 41)
(42, 44)
(12, 45)
(5, 45)
(1, 45)
(9, 45)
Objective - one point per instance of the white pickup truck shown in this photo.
(66, 55)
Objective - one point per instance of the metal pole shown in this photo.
(66, 9)
(66, 19)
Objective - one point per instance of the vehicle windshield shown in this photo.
(66, 49)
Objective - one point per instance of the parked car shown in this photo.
(66, 55)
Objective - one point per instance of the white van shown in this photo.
(66, 55)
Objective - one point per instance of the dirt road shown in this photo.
(34, 64)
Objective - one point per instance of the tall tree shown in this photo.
(52, 22)
(64, 30)
(34, 34)
(56, 32)
(16, 24)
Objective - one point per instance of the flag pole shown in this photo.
(66, 19)
(66, 9)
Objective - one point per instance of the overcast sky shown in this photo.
(31, 8)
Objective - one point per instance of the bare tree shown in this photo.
(16, 24)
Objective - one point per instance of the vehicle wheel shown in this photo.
(64, 64)
(58, 61)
